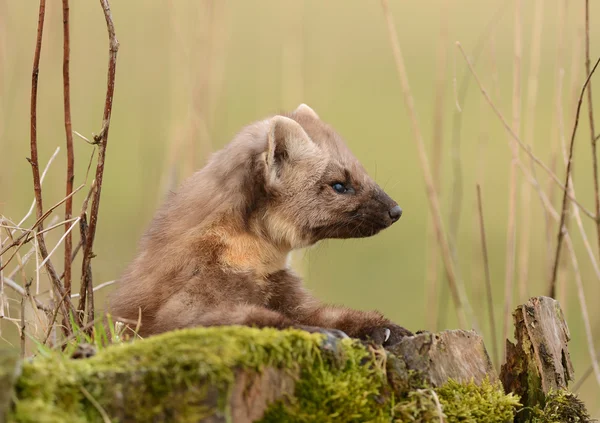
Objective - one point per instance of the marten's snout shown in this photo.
(395, 213)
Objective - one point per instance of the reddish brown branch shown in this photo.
(70, 156)
(563, 214)
(37, 187)
(101, 139)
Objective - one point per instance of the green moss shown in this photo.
(469, 402)
(562, 407)
(181, 368)
(188, 375)
(421, 405)
(349, 391)
(458, 402)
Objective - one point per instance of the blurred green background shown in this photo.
(191, 74)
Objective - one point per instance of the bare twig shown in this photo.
(511, 231)
(567, 179)
(17, 288)
(488, 282)
(83, 230)
(98, 287)
(70, 228)
(463, 308)
(69, 135)
(41, 182)
(22, 334)
(53, 319)
(37, 187)
(521, 144)
(102, 139)
(27, 234)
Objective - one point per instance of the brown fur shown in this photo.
(216, 252)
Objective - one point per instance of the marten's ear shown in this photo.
(303, 109)
(286, 142)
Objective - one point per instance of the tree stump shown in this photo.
(539, 362)
(433, 358)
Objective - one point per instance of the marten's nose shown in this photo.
(395, 213)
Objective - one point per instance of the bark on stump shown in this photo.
(433, 358)
(539, 361)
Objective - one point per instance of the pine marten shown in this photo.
(217, 251)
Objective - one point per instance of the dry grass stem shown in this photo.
(462, 306)
(579, 283)
(560, 236)
(31, 233)
(591, 119)
(433, 268)
(97, 287)
(488, 279)
(41, 182)
(511, 231)
(523, 146)
(584, 311)
(532, 93)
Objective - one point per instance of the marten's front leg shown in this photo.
(256, 316)
(292, 300)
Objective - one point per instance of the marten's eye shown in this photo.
(341, 188)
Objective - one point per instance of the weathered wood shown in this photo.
(539, 361)
(435, 358)
(253, 392)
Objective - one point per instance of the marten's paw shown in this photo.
(387, 335)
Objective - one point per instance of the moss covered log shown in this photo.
(240, 374)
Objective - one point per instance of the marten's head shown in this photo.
(314, 188)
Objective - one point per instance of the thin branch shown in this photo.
(53, 319)
(567, 179)
(488, 282)
(97, 287)
(27, 235)
(83, 229)
(102, 140)
(20, 290)
(463, 308)
(41, 182)
(523, 146)
(37, 187)
(70, 155)
(59, 242)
